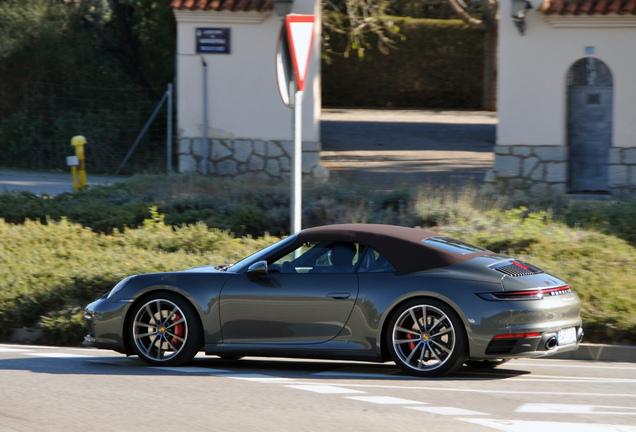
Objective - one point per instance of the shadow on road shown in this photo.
(253, 367)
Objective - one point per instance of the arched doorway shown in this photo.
(590, 102)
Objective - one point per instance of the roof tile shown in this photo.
(221, 5)
(587, 7)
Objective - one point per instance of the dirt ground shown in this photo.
(392, 147)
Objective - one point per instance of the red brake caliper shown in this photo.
(179, 330)
(411, 344)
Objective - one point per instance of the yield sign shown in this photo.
(300, 34)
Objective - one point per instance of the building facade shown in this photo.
(567, 95)
(231, 120)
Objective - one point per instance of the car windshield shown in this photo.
(260, 255)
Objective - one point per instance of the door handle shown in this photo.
(339, 295)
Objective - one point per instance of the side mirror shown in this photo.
(257, 271)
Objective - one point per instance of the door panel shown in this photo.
(286, 308)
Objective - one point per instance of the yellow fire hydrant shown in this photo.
(79, 178)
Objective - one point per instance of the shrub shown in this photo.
(53, 265)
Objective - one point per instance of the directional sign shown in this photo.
(213, 40)
(300, 35)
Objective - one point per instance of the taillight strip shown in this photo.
(517, 335)
(537, 293)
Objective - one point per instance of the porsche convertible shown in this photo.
(365, 292)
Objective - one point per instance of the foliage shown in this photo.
(357, 20)
(51, 268)
(434, 9)
(65, 72)
(140, 34)
(439, 63)
(599, 267)
(49, 272)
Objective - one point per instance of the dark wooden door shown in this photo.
(590, 104)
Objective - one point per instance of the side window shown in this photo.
(373, 262)
(318, 257)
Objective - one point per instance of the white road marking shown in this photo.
(324, 389)
(447, 411)
(534, 426)
(541, 393)
(570, 364)
(575, 409)
(57, 355)
(385, 400)
(11, 350)
(30, 346)
(258, 378)
(590, 380)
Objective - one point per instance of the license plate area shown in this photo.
(566, 336)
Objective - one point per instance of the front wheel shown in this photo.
(426, 338)
(165, 330)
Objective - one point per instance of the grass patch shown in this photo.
(60, 253)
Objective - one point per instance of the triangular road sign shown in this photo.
(300, 34)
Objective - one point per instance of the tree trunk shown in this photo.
(489, 96)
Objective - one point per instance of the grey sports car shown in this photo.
(363, 292)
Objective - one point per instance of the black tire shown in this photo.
(486, 364)
(426, 338)
(165, 330)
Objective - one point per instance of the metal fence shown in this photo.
(36, 126)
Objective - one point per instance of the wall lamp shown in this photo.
(519, 9)
(282, 7)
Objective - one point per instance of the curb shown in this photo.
(599, 352)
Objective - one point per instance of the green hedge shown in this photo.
(51, 269)
(437, 64)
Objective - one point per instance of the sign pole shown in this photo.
(297, 165)
(292, 61)
(204, 138)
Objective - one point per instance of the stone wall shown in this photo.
(247, 158)
(548, 166)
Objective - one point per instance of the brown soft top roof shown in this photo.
(401, 246)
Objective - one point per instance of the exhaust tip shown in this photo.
(551, 343)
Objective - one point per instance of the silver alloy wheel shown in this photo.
(423, 337)
(160, 330)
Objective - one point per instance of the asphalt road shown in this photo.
(46, 182)
(65, 389)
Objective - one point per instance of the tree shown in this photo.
(140, 34)
(484, 14)
(359, 19)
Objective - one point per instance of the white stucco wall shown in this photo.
(243, 99)
(532, 72)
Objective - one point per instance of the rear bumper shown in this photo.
(545, 344)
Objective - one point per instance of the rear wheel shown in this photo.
(165, 330)
(426, 338)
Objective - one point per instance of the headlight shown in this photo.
(118, 287)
